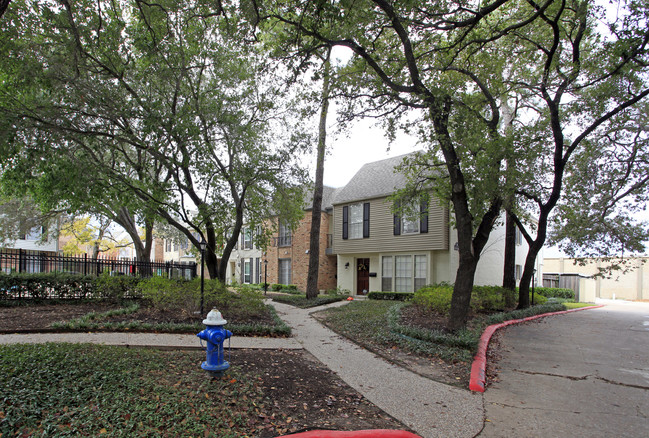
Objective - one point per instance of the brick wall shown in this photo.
(297, 252)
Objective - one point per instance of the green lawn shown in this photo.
(74, 390)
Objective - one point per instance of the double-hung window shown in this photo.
(246, 238)
(285, 236)
(285, 271)
(403, 273)
(247, 274)
(406, 224)
(356, 221)
(386, 274)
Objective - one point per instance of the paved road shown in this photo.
(584, 374)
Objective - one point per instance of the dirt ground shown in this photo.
(301, 393)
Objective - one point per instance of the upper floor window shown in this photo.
(285, 235)
(404, 224)
(519, 237)
(34, 234)
(246, 238)
(356, 221)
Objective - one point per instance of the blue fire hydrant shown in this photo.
(214, 334)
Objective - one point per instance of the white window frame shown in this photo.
(416, 266)
(410, 225)
(387, 273)
(285, 271)
(355, 223)
(247, 271)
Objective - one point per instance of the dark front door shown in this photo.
(362, 276)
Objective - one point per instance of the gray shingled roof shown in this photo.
(373, 180)
(328, 194)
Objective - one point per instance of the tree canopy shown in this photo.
(162, 104)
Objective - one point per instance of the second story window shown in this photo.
(404, 224)
(246, 238)
(356, 221)
(285, 236)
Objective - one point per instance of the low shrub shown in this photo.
(116, 288)
(394, 296)
(46, 285)
(538, 299)
(437, 298)
(488, 298)
(168, 293)
(555, 292)
(434, 297)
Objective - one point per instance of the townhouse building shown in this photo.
(378, 250)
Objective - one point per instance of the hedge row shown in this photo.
(56, 285)
(62, 286)
(555, 292)
(392, 296)
(483, 299)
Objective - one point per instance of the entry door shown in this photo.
(362, 276)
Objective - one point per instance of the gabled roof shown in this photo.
(328, 194)
(373, 180)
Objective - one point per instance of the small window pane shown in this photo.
(403, 277)
(386, 274)
(420, 271)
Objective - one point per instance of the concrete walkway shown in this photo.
(430, 408)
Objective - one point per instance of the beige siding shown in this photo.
(382, 236)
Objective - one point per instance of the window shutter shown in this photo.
(397, 222)
(366, 220)
(423, 221)
(345, 222)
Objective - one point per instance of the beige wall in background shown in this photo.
(631, 285)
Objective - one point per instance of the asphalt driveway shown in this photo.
(583, 374)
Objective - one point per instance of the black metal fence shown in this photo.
(20, 260)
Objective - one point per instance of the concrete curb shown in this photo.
(478, 368)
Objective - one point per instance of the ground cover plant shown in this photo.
(300, 300)
(91, 390)
(413, 333)
(166, 306)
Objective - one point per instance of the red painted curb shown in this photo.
(378, 433)
(478, 376)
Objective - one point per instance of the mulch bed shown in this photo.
(42, 316)
(302, 395)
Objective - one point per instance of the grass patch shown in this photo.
(119, 391)
(375, 324)
(578, 305)
(304, 303)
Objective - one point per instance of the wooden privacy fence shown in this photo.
(27, 261)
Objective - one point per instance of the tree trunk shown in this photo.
(461, 300)
(528, 274)
(316, 212)
(469, 247)
(509, 272)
